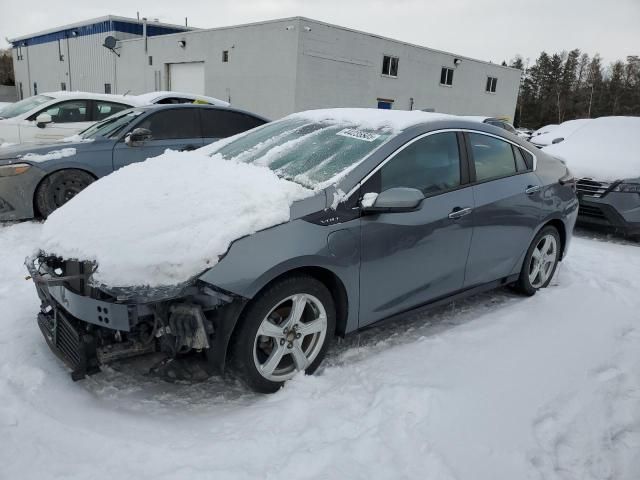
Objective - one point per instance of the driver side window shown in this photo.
(66, 112)
(431, 165)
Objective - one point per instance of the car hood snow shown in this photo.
(165, 220)
(606, 148)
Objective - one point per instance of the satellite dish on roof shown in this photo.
(110, 42)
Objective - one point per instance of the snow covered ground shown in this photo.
(496, 387)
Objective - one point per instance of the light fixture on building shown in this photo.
(182, 43)
(290, 27)
(457, 61)
(307, 28)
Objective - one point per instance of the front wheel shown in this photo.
(286, 329)
(58, 188)
(541, 261)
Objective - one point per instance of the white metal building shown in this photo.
(72, 57)
(281, 66)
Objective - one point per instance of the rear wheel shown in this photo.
(541, 261)
(286, 329)
(58, 188)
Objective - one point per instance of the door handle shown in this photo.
(531, 189)
(188, 148)
(459, 212)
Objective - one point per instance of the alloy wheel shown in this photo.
(290, 337)
(543, 261)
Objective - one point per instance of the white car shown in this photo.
(164, 97)
(56, 115)
(557, 133)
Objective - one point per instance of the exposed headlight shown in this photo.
(13, 169)
(627, 188)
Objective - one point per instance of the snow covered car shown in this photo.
(167, 97)
(53, 116)
(35, 180)
(259, 249)
(605, 156)
(558, 133)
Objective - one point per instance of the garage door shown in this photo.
(187, 77)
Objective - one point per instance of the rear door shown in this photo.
(173, 128)
(220, 123)
(508, 207)
(410, 258)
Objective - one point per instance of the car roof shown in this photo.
(129, 100)
(152, 97)
(171, 106)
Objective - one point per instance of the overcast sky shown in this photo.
(492, 30)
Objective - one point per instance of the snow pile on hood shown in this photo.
(607, 148)
(52, 155)
(372, 118)
(164, 220)
(564, 130)
(545, 129)
(77, 138)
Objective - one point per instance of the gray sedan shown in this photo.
(37, 179)
(437, 210)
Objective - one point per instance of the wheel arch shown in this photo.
(559, 225)
(38, 214)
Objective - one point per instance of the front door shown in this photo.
(67, 118)
(411, 258)
(508, 208)
(171, 128)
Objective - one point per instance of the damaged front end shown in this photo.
(88, 325)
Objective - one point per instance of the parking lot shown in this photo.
(497, 386)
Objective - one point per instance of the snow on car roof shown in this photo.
(152, 97)
(187, 209)
(372, 118)
(129, 99)
(606, 148)
(564, 130)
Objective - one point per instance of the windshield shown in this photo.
(304, 151)
(112, 126)
(23, 106)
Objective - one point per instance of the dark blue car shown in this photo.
(37, 179)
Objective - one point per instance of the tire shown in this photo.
(548, 253)
(265, 362)
(58, 188)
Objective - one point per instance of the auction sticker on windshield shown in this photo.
(359, 134)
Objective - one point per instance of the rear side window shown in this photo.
(224, 123)
(173, 124)
(431, 165)
(67, 112)
(106, 109)
(493, 158)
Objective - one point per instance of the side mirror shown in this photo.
(398, 199)
(557, 140)
(138, 137)
(42, 120)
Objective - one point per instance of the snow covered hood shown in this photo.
(162, 221)
(606, 148)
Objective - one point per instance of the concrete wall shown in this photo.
(340, 67)
(260, 75)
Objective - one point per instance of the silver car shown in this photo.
(439, 210)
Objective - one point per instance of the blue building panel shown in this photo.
(98, 28)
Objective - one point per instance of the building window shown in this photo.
(446, 76)
(107, 88)
(150, 60)
(492, 83)
(225, 56)
(63, 86)
(60, 54)
(35, 88)
(19, 53)
(390, 66)
(385, 104)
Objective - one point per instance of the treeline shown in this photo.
(569, 85)
(6, 68)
